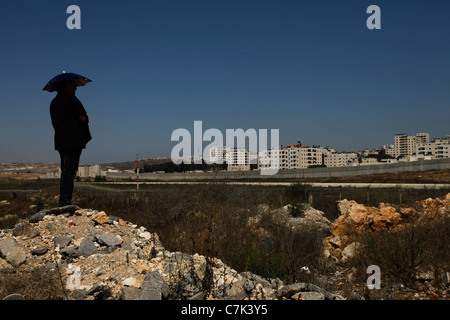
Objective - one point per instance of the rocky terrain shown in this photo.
(105, 257)
(100, 256)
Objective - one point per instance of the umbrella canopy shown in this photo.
(53, 83)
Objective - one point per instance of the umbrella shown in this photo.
(79, 80)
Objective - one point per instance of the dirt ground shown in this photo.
(435, 176)
(18, 176)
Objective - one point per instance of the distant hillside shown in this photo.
(131, 165)
(40, 168)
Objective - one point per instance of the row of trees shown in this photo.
(182, 167)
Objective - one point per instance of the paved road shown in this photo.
(314, 184)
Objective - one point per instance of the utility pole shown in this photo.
(137, 177)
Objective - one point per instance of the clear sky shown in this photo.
(311, 69)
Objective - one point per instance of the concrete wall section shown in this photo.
(416, 166)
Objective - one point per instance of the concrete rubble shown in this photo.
(105, 257)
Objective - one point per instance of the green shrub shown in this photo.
(267, 263)
(297, 209)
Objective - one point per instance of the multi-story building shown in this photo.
(237, 159)
(289, 158)
(89, 171)
(421, 147)
(405, 145)
(389, 150)
(340, 159)
(311, 156)
(294, 156)
(438, 148)
(283, 158)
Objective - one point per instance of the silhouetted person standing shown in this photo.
(71, 124)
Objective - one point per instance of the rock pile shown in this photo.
(356, 218)
(105, 257)
(283, 217)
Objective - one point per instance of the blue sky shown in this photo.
(311, 69)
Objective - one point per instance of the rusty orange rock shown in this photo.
(100, 218)
(357, 218)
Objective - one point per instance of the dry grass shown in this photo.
(405, 254)
(432, 176)
(37, 284)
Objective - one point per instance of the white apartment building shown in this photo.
(311, 156)
(405, 145)
(281, 158)
(438, 148)
(89, 171)
(289, 158)
(340, 159)
(293, 157)
(237, 159)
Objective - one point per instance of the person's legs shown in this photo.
(70, 159)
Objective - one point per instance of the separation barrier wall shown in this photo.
(416, 166)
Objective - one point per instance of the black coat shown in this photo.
(70, 131)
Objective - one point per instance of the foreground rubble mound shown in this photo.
(356, 218)
(104, 257)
